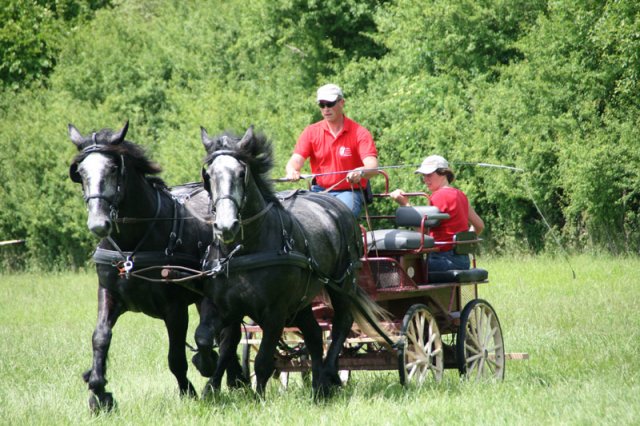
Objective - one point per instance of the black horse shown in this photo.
(271, 257)
(142, 225)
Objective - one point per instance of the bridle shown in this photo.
(238, 204)
(113, 201)
(206, 177)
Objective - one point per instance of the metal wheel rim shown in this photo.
(482, 346)
(422, 355)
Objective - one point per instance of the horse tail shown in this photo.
(372, 319)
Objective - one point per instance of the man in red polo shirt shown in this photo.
(336, 144)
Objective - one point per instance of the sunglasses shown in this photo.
(322, 104)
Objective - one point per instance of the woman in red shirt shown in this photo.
(437, 175)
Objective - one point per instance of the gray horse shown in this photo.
(271, 257)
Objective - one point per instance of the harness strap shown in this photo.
(175, 237)
(144, 258)
(260, 260)
(257, 215)
(128, 263)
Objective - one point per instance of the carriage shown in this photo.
(437, 320)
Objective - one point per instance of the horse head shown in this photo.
(225, 178)
(100, 167)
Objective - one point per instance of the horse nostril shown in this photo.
(101, 228)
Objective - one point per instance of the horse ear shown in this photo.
(75, 135)
(119, 137)
(247, 138)
(206, 141)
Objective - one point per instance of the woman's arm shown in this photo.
(477, 224)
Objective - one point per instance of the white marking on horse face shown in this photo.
(227, 176)
(99, 174)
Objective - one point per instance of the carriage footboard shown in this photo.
(458, 276)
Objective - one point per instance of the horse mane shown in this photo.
(132, 151)
(257, 153)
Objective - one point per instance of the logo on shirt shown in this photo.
(344, 151)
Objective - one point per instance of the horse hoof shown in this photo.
(326, 387)
(205, 367)
(104, 403)
(189, 392)
(238, 382)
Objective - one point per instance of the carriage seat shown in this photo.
(458, 276)
(404, 239)
(412, 216)
(397, 239)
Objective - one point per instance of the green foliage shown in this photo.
(549, 87)
(32, 34)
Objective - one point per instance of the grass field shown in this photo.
(582, 336)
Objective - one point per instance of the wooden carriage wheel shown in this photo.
(480, 347)
(249, 351)
(291, 342)
(421, 355)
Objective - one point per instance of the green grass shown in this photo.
(582, 337)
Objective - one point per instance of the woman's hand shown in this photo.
(399, 197)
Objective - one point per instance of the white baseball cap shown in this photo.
(432, 163)
(329, 92)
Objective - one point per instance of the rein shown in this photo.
(124, 261)
(127, 265)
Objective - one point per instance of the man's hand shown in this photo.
(293, 174)
(355, 175)
(294, 166)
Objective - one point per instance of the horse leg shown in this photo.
(177, 323)
(206, 360)
(312, 334)
(341, 326)
(109, 309)
(264, 364)
(228, 360)
(229, 340)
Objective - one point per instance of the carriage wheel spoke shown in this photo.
(422, 354)
(480, 347)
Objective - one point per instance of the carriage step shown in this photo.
(516, 356)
